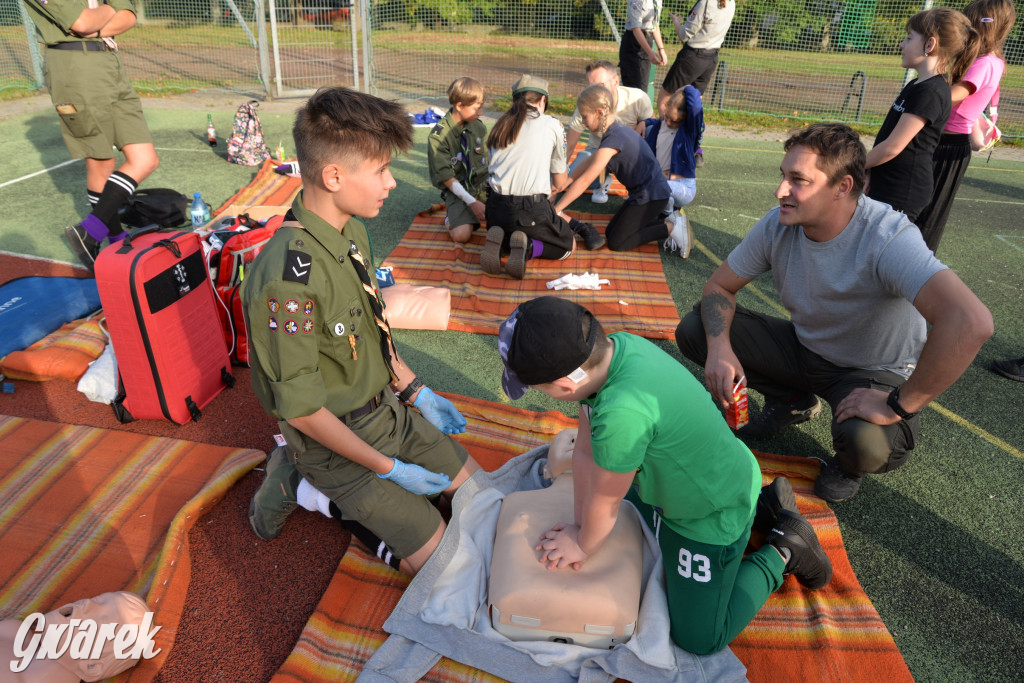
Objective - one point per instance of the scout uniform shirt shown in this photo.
(311, 327)
(53, 18)
(447, 157)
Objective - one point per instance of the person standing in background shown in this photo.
(98, 109)
(702, 36)
(641, 44)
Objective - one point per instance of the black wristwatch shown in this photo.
(894, 402)
(406, 394)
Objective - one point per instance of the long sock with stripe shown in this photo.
(118, 189)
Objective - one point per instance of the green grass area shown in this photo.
(936, 544)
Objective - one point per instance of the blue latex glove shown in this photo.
(416, 479)
(440, 412)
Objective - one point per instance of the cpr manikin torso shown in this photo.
(596, 606)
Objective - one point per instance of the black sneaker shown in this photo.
(490, 259)
(516, 264)
(1013, 369)
(592, 239)
(774, 497)
(777, 415)
(834, 485)
(275, 499)
(807, 560)
(85, 247)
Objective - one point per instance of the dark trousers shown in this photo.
(778, 365)
(949, 165)
(634, 64)
(636, 224)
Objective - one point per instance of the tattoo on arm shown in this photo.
(711, 309)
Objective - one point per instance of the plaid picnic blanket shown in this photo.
(638, 299)
(266, 189)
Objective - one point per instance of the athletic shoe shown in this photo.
(592, 239)
(777, 415)
(834, 485)
(85, 247)
(1013, 369)
(774, 497)
(516, 265)
(275, 499)
(681, 237)
(807, 560)
(698, 159)
(490, 259)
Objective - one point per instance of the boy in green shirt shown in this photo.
(649, 432)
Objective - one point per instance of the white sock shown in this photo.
(311, 499)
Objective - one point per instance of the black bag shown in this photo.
(156, 206)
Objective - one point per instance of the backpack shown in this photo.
(156, 205)
(235, 248)
(247, 146)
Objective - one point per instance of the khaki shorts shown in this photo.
(97, 106)
(459, 212)
(404, 521)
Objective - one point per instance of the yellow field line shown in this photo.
(971, 427)
(940, 409)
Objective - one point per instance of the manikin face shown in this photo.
(805, 196)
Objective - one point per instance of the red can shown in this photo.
(737, 414)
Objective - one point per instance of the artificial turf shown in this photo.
(935, 544)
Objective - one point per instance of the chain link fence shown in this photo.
(801, 60)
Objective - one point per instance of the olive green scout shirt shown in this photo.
(443, 150)
(305, 307)
(53, 18)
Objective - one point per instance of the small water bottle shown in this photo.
(200, 212)
(211, 132)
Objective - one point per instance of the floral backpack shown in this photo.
(246, 146)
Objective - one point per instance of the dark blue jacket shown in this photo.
(687, 139)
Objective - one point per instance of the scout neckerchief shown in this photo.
(362, 270)
(467, 166)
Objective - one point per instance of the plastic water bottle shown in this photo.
(211, 132)
(200, 212)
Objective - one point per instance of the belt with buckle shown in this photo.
(81, 45)
(366, 409)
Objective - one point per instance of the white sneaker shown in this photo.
(681, 237)
(600, 195)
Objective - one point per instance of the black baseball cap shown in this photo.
(542, 341)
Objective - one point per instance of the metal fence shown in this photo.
(797, 59)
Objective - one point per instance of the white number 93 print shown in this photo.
(697, 567)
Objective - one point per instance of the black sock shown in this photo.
(369, 539)
(116, 192)
(92, 196)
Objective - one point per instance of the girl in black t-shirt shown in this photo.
(940, 42)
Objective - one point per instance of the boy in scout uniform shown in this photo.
(324, 364)
(457, 154)
(98, 109)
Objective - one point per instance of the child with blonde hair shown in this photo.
(646, 215)
(993, 20)
(457, 155)
(939, 42)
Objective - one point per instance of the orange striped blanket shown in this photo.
(638, 299)
(266, 189)
(85, 510)
(828, 635)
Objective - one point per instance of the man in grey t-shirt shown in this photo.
(860, 286)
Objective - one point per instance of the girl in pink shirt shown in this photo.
(992, 19)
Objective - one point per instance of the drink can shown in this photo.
(738, 414)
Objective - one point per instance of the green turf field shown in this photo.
(934, 544)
